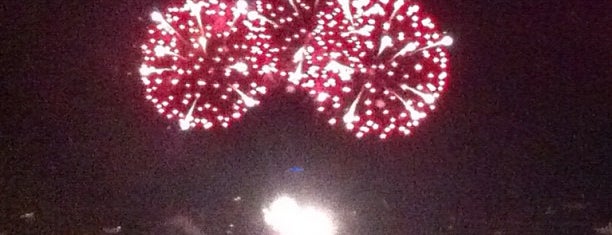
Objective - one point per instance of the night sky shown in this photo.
(520, 143)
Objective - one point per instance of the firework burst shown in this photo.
(375, 67)
(207, 62)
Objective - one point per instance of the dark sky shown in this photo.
(526, 125)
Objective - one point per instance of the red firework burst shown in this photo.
(206, 62)
(378, 67)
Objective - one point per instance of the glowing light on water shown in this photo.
(287, 217)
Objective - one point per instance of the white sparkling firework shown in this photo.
(287, 217)
(383, 63)
(205, 61)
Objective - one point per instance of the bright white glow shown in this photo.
(146, 71)
(28, 216)
(414, 114)
(428, 98)
(363, 31)
(157, 17)
(203, 42)
(253, 15)
(418, 67)
(385, 42)
(346, 9)
(396, 7)
(184, 124)
(195, 8)
(295, 77)
(446, 41)
(299, 55)
(410, 47)
(322, 96)
(112, 230)
(287, 217)
(350, 117)
(293, 6)
(242, 6)
(248, 101)
(240, 67)
(412, 9)
(375, 10)
(161, 51)
(343, 71)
